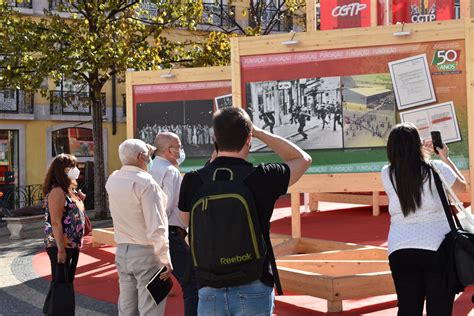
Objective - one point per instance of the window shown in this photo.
(9, 157)
(76, 141)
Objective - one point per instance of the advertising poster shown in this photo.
(412, 82)
(439, 117)
(340, 14)
(419, 11)
(185, 109)
(340, 104)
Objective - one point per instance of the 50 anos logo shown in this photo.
(446, 59)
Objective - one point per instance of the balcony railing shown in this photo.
(59, 5)
(20, 4)
(16, 101)
(13, 197)
(218, 14)
(282, 23)
(71, 103)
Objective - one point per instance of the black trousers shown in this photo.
(72, 256)
(179, 251)
(418, 275)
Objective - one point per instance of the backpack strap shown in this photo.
(271, 256)
(234, 173)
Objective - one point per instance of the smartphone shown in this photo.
(437, 140)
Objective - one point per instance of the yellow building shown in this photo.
(33, 128)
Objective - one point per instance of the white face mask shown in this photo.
(73, 173)
(182, 156)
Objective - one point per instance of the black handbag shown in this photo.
(457, 249)
(60, 299)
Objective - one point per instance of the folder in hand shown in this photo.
(158, 288)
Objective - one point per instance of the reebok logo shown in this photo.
(236, 259)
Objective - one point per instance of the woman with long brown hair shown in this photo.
(418, 223)
(64, 217)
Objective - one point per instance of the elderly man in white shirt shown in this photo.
(169, 155)
(137, 205)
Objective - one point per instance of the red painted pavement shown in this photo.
(97, 277)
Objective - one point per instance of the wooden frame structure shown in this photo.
(354, 38)
(332, 270)
(166, 77)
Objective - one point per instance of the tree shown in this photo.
(99, 39)
(225, 19)
(264, 16)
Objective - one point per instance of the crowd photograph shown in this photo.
(190, 120)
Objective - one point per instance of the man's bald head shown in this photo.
(165, 140)
(168, 146)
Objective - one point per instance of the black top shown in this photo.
(267, 183)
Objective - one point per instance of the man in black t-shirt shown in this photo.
(267, 182)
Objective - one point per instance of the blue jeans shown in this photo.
(179, 251)
(252, 299)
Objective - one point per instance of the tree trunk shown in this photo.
(100, 197)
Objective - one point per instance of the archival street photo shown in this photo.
(305, 111)
(368, 109)
(190, 120)
(223, 101)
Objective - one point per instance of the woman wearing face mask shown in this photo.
(64, 212)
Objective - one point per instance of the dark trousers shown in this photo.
(418, 275)
(179, 251)
(72, 256)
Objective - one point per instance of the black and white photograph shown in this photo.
(190, 120)
(368, 109)
(306, 111)
(223, 101)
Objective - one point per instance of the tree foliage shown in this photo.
(96, 40)
(245, 18)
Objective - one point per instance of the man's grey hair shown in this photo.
(130, 149)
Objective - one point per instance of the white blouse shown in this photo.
(424, 229)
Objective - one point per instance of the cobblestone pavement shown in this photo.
(22, 291)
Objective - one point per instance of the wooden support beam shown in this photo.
(376, 203)
(466, 7)
(311, 15)
(373, 12)
(334, 306)
(313, 202)
(470, 98)
(295, 215)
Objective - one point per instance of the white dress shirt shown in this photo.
(137, 205)
(169, 179)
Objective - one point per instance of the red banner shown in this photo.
(419, 11)
(340, 14)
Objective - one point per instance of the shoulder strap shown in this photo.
(444, 200)
(271, 255)
(234, 173)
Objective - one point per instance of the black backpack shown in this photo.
(227, 245)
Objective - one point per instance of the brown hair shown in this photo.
(56, 177)
(232, 127)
